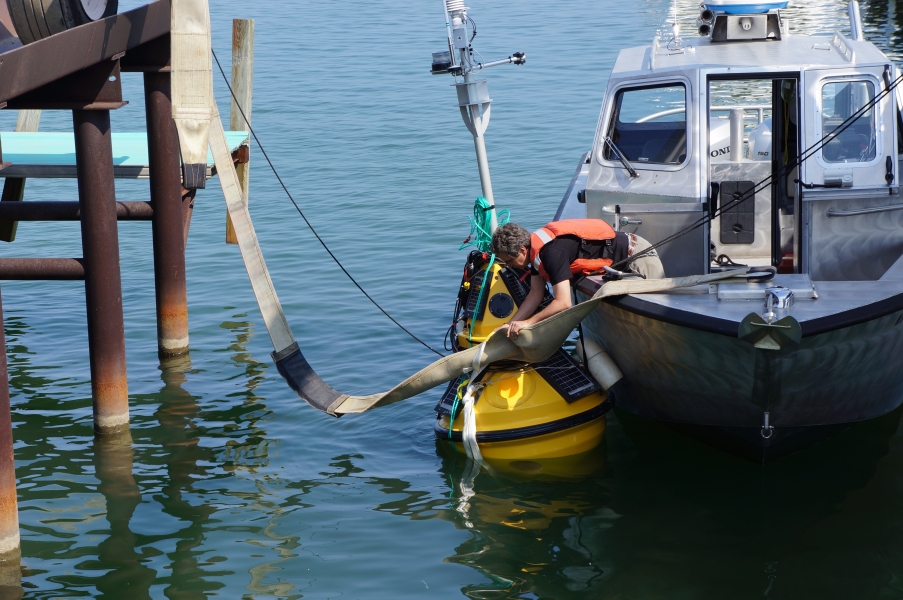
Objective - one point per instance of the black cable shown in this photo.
(804, 156)
(311, 227)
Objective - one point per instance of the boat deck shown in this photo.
(837, 303)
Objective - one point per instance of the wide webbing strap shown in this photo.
(534, 343)
(192, 86)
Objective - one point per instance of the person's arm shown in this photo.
(532, 301)
(562, 301)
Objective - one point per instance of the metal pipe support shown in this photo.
(103, 282)
(127, 210)
(9, 507)
(167, 223)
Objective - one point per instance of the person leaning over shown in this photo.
(560, 251)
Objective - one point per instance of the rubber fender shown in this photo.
(35, 20)
(599, 364)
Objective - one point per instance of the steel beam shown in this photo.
(166, 197)
(126, 210)
(29, 67)
(97, 87)
(9, 507)
(103, 284)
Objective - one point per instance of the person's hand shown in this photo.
(514, 327)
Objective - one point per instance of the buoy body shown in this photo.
(522, 411)
(519, 415)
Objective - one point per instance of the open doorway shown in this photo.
(753, 147)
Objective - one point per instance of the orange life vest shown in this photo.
(585, 229)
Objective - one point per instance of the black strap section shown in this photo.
(301, 377)
(506, 435)
(194, 176)
(614, 249)
(620, 247)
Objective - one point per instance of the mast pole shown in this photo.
(473, 94)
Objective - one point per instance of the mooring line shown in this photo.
(311, 227)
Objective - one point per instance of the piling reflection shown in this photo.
(113, 458)
(178, 437)
(239, 444)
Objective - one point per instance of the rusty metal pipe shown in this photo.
(167, 224)
(49, 269)
(9, 508)
(126, 210)
(103, 282)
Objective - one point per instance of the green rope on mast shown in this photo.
(481, 225)
(481, 237)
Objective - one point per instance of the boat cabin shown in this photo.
(790, 140)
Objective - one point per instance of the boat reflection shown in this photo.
(669, 516)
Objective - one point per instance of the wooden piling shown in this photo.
(242, 84)
(103, 282)
(14, 187)
(167, 223)
(9, 507)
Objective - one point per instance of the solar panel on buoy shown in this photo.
(569, 380)
(447, 401)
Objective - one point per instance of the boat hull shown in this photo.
(718, 387)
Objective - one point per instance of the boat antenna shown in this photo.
(675, 28)
(473, 94)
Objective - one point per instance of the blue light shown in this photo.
(743, 7)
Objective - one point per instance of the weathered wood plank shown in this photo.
(242, 84)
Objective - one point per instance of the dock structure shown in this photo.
(79, 70)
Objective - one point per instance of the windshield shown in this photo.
(649, 125)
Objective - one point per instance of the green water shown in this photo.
(228, 485)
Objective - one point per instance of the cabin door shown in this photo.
(645, 175)
(753, 135)
(851, 206)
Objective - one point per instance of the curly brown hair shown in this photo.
(509, 239)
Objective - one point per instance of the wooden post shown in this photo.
(242, 82)
(14, 187)
(9, 507)
(103, 281)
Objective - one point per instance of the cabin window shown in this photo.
(848, 141)
(649, 125)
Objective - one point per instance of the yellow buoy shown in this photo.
(548, 410)
(519, 415)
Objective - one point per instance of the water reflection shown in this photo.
(116, 555)
(185, 462)
(670, 517)
(529, 525)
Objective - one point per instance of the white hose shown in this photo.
(469, 431)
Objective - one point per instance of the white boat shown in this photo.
(782, 150)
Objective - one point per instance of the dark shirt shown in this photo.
(557, 256)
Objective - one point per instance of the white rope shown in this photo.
(469, 431)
